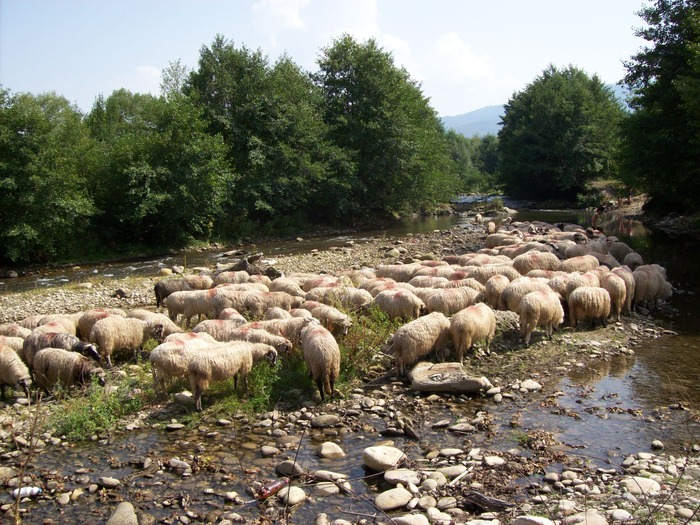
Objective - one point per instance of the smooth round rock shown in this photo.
(393, 499)
(292, 495)
(124, 514)
(330, 450)
(381, 458)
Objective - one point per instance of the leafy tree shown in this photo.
(560, 132)
(476, 161)
(164, 177)
(45, 157)
(397, 157)
(269, 117)
(661, 146)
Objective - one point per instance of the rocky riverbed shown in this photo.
(379, 454)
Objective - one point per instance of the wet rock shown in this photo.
(325, 420)
(589, 517)
(124, 514)
(410, 519)
(462, 428)
(63, 498)
(7, 473)
(446, 377)
(108, 483)
(657, 445)
(322, 519)
(620, 515)
(531, 385)
(292, 495)
(268, 452)
(638, 485)
(494, 461)
(449, 452)
(330, 450)
(289, 468)
(401, 475)
(381, 458)
(391, 499)
(173, 427)
(326, 488)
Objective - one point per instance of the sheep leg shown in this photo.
(109, 361)
(319, 385)
(198, 399)
(2, 391)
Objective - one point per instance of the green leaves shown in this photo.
(560, 132)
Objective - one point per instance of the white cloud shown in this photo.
(275, 16)
(459, 60)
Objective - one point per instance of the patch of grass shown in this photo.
(95, 411)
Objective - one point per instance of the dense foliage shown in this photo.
(235, 146)
(661, 147)
(559, 133)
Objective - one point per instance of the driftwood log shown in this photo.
(446, 377)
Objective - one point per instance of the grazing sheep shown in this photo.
(494, 288)
(626, 274)
(616, 287)
(225, 298)
(618, 249)
(540, 308)
(232, 277)
(285, 284)
(224, 331)
(190, 303)
(287, 328)
(398, 272)
(320, 281)
(16, 343)
(170, 359)
(300, 312)
(13, 372)
(121, 333)
(452, 300)
(38, 340)
(146, 315)
(198, 282)
(633, 260)
(484, 273)
(90, 317)
(428, 281)
(322, 357)
(418, 338)
(470, 325)
(231, 314)
(344, 296)
(14, 330)
(517, 289)
(400, 304)
(381, 284)
(467, 282)
(589, 302)
(582, 264)
(333, 319)
(162, 289)
(223, 361)
(650, 284)
(275, 312)
(256, 304)
(57, 366)
(58, 323)
(577, 280)
(31, 321)
(535, 260)
(191, 336)
(482, 259)
(258, 278)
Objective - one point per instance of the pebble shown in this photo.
(393, 499)
(381, 458)
(292, 495)
(403, 476)
(124, 514)
(330, 450)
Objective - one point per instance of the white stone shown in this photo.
(330, 450)
(531, 520)
(494, 461)
(381, 458)
(531, 385)
(410, 519)
(292, 495)
(393, 499)
(589, 517)
(401, 475)
(637, 485)
(620, 515)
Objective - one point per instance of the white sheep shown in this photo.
(190, 336)
(347, 297)
(16, 343)
(190, 303)
(494, 288)
(536, 260)
(68, 321)
(626, 274)
(470, 325)
(162, 289)
(57, 366)
(257, 303)
(90, 317)
(198, 282)
(225, 333)
(581, 263)
(589, 302)
(232, 277)
(224, 361)
(287, 328)
(120, 333)
(616, 287)
(38, 340)
(322, 357)
(428, 281)
(452, 300)
(231, 314)
(14, 330)
(170, 359)
(650, 284)
(13, 372)
(285, 284)
(577, 280)
(300, 312)
(57, 324)
(31, 321)
(484, 273)
(418, 338)
(398, 272)
(218, 328)
(275, 312)
(400, 304)
(618, 249)
(540, 308)
(333, 319)
(517, 289)
(633, 260)
(467, 282)
(146, 315)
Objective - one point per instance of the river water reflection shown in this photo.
(605, 411)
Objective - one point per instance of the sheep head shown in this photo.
(24, 385)
(271, 356)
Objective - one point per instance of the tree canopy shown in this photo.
(560, 132)
(661, 146)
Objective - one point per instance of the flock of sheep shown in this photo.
(542, 272)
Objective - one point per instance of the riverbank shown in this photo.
(537, 474)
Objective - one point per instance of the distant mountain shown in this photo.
(478, 122)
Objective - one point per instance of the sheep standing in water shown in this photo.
(322, 357)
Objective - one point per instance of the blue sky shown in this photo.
(465, 53)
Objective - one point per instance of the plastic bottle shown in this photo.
(25, 492)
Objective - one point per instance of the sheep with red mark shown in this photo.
(471, 325)
(589, 303)
(541, 308)
(400, 304)
(120, 333)
(451, 300)
(418, 338)
(322, 357)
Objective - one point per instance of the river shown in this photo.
(621, 405)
